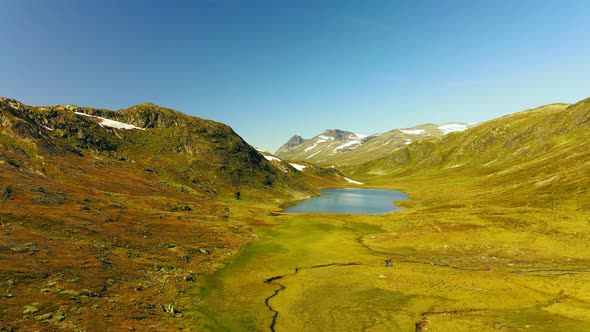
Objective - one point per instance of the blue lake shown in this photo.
(351, 201)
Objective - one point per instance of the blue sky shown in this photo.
(271, 69)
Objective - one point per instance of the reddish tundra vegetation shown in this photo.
(107, 228)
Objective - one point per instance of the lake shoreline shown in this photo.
(366, 201)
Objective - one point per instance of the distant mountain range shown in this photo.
(541, 153)
(339, 147)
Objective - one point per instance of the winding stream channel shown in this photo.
(283, 287)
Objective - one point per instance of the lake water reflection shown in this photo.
(351, 201)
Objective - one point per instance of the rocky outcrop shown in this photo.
(294, 141)
(339, 135)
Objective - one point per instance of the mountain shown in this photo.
(117, 213)
(293, 142)
(203, 154)
(332, 139)
(543, 150)
(338, 147)
(319, 176)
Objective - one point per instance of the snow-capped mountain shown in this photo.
(339, 147)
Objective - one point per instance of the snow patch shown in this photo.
(348, 144)
(117, 124)
(352, 181)
(323, 138)
(310, 148)
(47, 127)
(298, 166)
(110, 123)
(320, 139)
(313, 154)
(413, 131)
(452, 127)
(271, 158)
(407, 141)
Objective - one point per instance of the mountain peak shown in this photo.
(294, 141)
(339, 135)
(11, 102)
(341, 147)
(149, 115)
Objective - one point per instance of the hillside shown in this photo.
(322, 177)
(510, 197)
(539, 152)
(337, 147)
(118, 213)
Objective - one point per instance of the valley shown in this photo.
(493, 239)
(457, 263)
(295, 166)
(131, 220)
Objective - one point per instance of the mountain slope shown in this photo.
(323, 177)
(101, 221)
(508, 198)
(337, 147)
(540, 150)
(186, 149)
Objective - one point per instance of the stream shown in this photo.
(283, 287)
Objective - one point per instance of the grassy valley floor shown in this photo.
(462, 260)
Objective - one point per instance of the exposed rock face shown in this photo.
(294, 141)
(152, 116)
(293, 148)
(339, 135)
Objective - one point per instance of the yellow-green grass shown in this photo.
(495, 236)
(467, 256)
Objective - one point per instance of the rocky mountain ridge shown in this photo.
(186, 148)
(339, 147)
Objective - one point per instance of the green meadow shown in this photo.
(472, 266)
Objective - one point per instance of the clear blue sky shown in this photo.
(274, 68)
